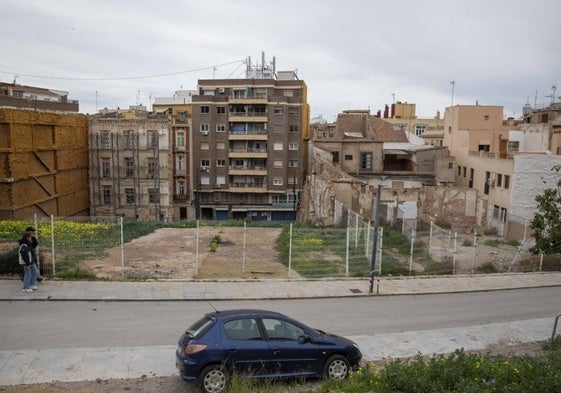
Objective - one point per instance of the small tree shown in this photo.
(546, 223)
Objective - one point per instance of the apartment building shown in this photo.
(130, 164)
(248, 145)
(507, 163)
(37, 98)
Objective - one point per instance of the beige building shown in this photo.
(44, 168)
(248, 139)
(130, 164)
(491, 159)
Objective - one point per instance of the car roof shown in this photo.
(244, 313)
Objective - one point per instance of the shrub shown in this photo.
(488, 267)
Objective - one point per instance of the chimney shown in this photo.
(379, 114)
(393, 111)
(386, 110)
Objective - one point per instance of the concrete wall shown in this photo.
(44, 159)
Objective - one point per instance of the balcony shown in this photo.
(248, 187)
(248, 116)
(247, 153)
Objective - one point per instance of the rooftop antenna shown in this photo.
(138, 97)
(453, 83)
(393, 95)
(15, 79)
(214, 69)
(536, 99)
(552, 96)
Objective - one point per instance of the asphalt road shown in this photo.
(63, 324)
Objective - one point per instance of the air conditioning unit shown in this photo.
(204, 168)
(221, 90)
(491, 181)
(204, 132)
(217, 185)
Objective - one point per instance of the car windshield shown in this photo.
(199, 327)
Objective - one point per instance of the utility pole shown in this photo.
(375, 240)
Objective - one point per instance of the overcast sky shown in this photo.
(351, 54)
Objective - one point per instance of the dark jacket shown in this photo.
(25, 251)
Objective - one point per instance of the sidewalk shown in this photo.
(32, 366)
(270, 289)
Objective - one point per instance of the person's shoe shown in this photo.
(27, 290)
(34, 287)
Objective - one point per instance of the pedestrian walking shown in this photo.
(28, 254)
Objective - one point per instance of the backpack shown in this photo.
(21, 260)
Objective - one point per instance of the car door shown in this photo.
(246, 350)
(288, 355)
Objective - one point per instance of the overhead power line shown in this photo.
(120, 77)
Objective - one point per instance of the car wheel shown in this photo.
(214, 379)
(336, 367)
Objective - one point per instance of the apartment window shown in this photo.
(151, 165)
(153, 138)
(205, 180)
(279, 110)
(105, 142)
(205, 128)
(293, 163)
(130, 197)
(153, 195)
(239, 93)
(277, 181)
(180, 163)
(465, 171)
(205, 146)
(105, 167)
(106, 194)
(366, 161)
(205, 109)
(205, 163)
(420, 129)
(335, 156)
(486, 117)
(513, 146)
(129, 139)
(221, 110)
(348, 157)
(181, 187)
(220, 128)
(220, 145)
(459, 170)
(278, 128)
(278, 146)
(288, 93)
(292, 180)
(499, 180)
(129, 167)
(180, 139)
(293, 146)
(293, 128)
(293, 111)
(277, 164)
(220, 162)
(450, 165)
(507, 181)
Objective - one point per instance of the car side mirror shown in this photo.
(304, 339)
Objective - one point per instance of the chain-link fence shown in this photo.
(111, 248)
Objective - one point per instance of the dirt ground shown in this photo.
(170, 253)
(176, 385)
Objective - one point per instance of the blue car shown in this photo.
(260, 344)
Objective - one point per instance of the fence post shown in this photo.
(454, 253)
(244, 245)
(367, 242)
(53, 244)
(541, 260)
(411, 252)
(474, 251)
(122, 250)
(430, 237)
(380, 250)
(197, 251)
(356, 230)
(290, 251)
(347, 251)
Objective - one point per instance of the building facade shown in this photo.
(248, 139)
(131, 165)
(37, 98)
(44, 169)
